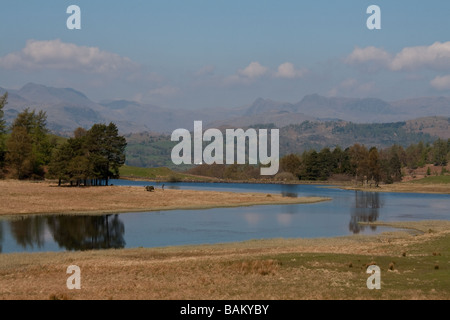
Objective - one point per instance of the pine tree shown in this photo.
(91, 157)
(29, 128)
(107, 150)
(20, 153)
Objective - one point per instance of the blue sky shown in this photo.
(201, 54)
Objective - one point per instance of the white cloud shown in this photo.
(58, 55)
(441, 83)
(205, 71)
(253, 70)
(287, 70)
(247, 75)
(368, 54)
(435, 56)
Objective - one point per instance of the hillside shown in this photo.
(152, 150)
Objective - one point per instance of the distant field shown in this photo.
(433, 180)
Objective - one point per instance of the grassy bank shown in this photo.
(433, 180)
(414, 265)
(430, 184)
(23, 197)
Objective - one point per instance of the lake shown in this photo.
(338, 217)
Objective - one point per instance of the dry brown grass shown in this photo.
(261, 269)
(20, 197)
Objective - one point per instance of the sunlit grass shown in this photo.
(433, 180)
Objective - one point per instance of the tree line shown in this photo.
(357, 162)
(29, 151)
(365, 164)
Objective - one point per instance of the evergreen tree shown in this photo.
(107, 150)
(29, 129)
(91, 157)
(20, 153)
(440, 153)
(35, 125)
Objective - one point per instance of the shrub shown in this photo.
(285, 176)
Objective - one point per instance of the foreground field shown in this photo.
(414, 264)
(20, 197)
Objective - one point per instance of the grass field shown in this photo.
(433, 180)
(414, 264)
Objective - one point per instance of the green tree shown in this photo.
(374, 168)
(395, 167)
(106, 150)
(59, 164)
(440, 153)
(359, 159)
(90, 157)
(310, 169)
(35, 124)
(20, 153)
(3, 102)
(341, 161)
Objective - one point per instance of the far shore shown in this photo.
(404, 187)
(399, 187)
(25, 198)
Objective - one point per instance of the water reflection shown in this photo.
(28, 231)
(69, 232)
(289, 190)
(179, 227)
(366, 209)
(87, 232)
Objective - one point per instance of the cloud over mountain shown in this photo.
(58, 55)
(287, 70)
(435, 57)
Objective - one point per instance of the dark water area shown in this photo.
(338, 217)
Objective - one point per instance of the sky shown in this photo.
(194, 54)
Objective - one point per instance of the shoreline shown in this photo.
(20, 198)
(402, 187)
(309, 200)
(405, 187)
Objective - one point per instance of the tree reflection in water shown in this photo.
(289, 191)
(366, 209)
(70, 232)
(29, 231)
(87, 232)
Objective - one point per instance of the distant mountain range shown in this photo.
(68, 109)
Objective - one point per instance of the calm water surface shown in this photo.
(338, 217)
